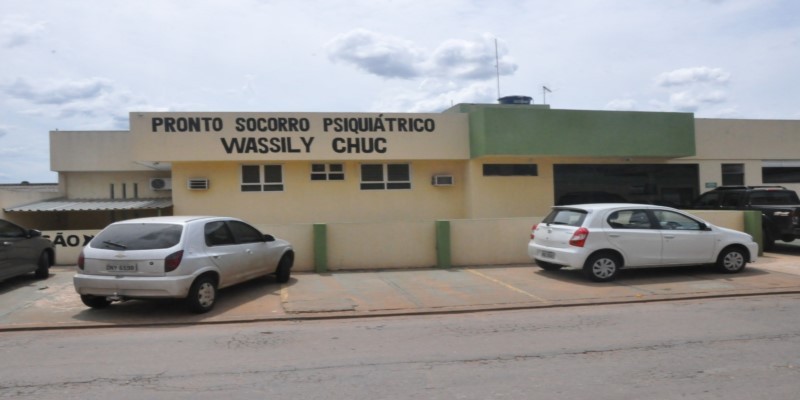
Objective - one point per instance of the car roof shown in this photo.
(609, 206)
(172, 219)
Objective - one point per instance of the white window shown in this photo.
(327, 172)
(385, 176)
(262, 178)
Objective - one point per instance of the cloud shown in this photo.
(622, 105)
(56, 92)
(375, 53)
(456, 71)
(3, 131)
(15, 32)
(690, 76)
(392, 57)
(694, 89)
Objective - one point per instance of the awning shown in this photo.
(59, 205)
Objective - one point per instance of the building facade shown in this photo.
(471, 162)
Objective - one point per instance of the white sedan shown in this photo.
(177, 257)
(601, 239)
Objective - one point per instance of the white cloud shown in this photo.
(621, 105)
(377, 54)
(56, 92)
(691, 76)
(15, 31)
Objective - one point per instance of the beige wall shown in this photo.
(508, 196)
(307, 201)
(97, 184)
(400, 244)
(23, 195)
(723, 141)
(448, 138)
(92, 151)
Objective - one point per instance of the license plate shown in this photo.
(547, 254)
(121, 267)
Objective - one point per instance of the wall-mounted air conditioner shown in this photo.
(442, 180)
(161, 183)
(197, 184)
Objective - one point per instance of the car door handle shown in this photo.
(614, 235)
(669, 236)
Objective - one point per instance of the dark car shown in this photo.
(23, 251)
(779, 207)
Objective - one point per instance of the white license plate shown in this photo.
(121, 267)
(547, 254)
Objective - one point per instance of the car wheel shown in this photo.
(95, 301)
(731, 260)
(202, 295)
(284, 270)
(602, 267)
(43, 270)
(547, 266)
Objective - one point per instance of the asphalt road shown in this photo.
(731, 348)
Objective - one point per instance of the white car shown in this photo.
(177, 257)
(601, 239)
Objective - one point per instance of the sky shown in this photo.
(85, 64)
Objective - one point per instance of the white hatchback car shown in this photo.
(601, 239)
(177, 257)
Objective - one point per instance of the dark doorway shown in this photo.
(674, 185)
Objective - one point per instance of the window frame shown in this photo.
(385, 181)
(327, 173)
(264, 183)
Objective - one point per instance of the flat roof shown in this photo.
(58, 205)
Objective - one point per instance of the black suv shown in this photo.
(780, 208)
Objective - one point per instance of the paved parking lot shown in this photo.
(26, 303)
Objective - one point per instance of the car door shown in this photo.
(224, 252)
(685, 239)
(16, 252)
(259, 258)
(633, 233)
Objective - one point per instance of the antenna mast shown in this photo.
(497, 66)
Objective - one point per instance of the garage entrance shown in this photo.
(674, 185)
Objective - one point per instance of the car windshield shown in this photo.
(565, 217)
(145, 236)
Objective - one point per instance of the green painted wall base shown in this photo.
(752, 225)
(320, 248)
(443, 256)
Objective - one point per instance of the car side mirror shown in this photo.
(269, 238)
(32, 233)
(704, 227)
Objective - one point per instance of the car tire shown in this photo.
(284, 270)
(43, 269)
(602, 267)
(202, 295)
(95, 301)
(548, 266)
(732, 260)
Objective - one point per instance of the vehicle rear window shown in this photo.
(565, 217)
(138, 237)
(775, 198)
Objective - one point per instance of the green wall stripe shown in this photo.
(320, 248)
(443, 247)
(530, 131)
(752, 225)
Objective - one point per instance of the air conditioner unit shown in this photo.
(197, 184)
(442, 180)
(161, 183)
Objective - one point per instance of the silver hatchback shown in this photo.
(177, 257)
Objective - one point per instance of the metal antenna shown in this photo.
(545, 90)
(497, 66)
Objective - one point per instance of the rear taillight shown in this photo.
(578, 238)
(533, 230)
(173, 261)
(81, 261)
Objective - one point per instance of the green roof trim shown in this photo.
(540, 131)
